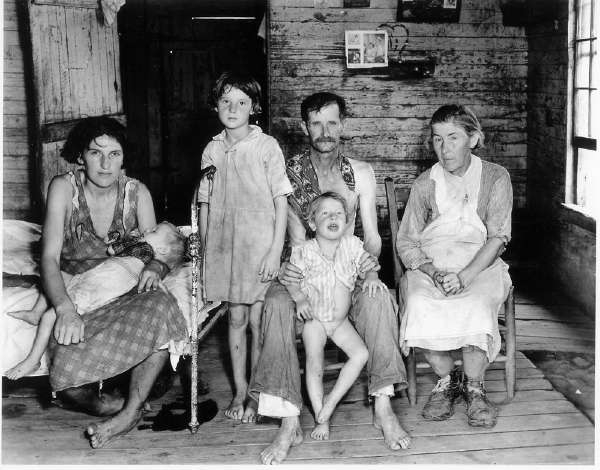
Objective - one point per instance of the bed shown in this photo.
(20, 266)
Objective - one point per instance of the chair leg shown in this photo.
(511, 346)
(411, 373)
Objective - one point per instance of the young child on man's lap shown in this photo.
(330, 267)
(98, 286)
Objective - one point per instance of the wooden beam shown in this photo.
(93, 4)
(56, 131)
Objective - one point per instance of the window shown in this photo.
(583, 188)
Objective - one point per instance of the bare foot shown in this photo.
(22, 369)
(326, 411)
(386, 420)
(235, 410)
(249, 415)
(289, 435)
(30, 316)
(321, 432)
(102, 433)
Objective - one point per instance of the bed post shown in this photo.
(195, 245)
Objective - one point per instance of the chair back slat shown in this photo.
(396, 202)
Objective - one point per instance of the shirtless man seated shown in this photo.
(276, 381)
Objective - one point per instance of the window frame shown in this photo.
(580, 142)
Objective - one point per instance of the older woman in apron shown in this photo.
(456, 224)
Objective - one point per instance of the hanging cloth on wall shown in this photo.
(110, 9)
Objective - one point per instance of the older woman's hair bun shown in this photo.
(461, 116)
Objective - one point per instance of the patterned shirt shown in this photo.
(320, 273)
(134, 247)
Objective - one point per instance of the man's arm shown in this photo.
(288, 273)
(368, 210)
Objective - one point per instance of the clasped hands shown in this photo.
(448, 283)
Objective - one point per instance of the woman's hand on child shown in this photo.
(149, 278)
(303, 310)
(69, 327)
(269, 268)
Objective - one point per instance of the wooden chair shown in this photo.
(396, 201)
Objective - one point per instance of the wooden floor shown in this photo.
(540, 426)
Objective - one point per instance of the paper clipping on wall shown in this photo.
(366, 49)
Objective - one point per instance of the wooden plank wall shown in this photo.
(480, 63)
(566, 248)
(76, 63)
(16, 176)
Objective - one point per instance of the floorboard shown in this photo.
(539, 426)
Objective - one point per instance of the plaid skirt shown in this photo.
(118, 336)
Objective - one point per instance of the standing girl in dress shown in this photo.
(243, 222)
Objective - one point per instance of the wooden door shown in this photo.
(75, 62)
(191, 60)
(188, 122)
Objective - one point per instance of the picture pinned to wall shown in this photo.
(357, 3)
(366, 49)
(428, 11)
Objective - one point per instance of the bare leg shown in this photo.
(33, 316)
(480, 411)
(40, 343)
(314, 338)
(249, 415)
(238, 322)
(290, 434)
(474, 363)
(87, 399)
(385, 419)
(142, 378)
(440, 361)
(346, 338)
(376, 321)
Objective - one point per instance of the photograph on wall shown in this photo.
(366, 49)
(428, 11)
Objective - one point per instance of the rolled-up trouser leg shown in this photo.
(278, 371)
(376, 321)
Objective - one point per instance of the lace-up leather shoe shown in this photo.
(480, 411)
(440, 404)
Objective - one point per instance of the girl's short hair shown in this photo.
(241, 81)
(316, 202)
(461, 116)
(89, 129)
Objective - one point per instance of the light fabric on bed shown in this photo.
(21, 256)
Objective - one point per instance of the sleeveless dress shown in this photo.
(123, 333)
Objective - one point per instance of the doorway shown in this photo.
(171, 54)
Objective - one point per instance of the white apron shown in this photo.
(432, 320)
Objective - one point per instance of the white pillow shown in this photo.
(21, 247)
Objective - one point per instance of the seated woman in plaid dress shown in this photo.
(84, 210)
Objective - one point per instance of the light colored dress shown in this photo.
(321, 274)
(241, 217)
(447, 221)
